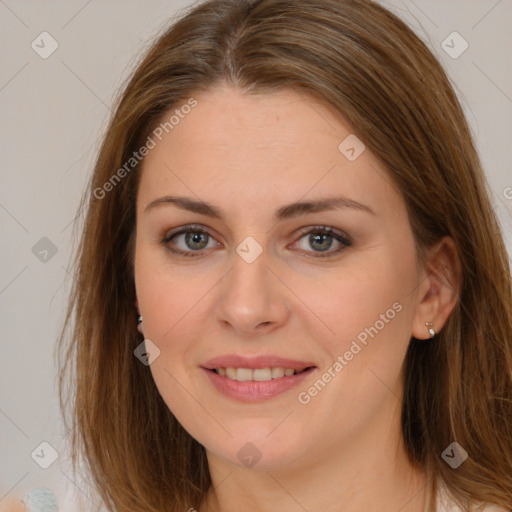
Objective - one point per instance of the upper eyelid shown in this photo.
(185, 229)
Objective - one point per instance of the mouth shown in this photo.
(257, 378)
(258, 374)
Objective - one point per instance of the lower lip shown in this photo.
(254, 391)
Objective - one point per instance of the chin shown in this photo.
(259, 450)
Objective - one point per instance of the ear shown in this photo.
(438, 292)
(137, 304)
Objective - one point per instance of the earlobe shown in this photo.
(438, 293)
(140, 328)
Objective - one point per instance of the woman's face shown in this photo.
(264, 246)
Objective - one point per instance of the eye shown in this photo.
(189, 241)
(322, 239)
(318, 241)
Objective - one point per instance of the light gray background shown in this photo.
(53, 112)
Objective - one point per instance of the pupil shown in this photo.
(196, 240)
(324, 241)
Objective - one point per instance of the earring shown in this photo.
(431, 330)
(139, 325)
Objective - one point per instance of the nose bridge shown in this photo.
(249, 265)
(247, 283)
(251, 296)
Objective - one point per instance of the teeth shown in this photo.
(244, 374)
(277, 373)
(258, 374)
(231, 373)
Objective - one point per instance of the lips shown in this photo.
(250, 379)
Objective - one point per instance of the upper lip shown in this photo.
(268, 361)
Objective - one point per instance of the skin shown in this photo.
(12, 504)
(249, 155)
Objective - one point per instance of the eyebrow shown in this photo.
(285, 212)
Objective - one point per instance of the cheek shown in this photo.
(164, 293)
(369, 297)
(168, 303)
(370, 309)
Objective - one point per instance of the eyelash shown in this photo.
(313, 230)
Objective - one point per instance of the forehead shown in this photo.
(227, 118)
(275, 147)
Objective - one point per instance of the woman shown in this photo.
(289, 209)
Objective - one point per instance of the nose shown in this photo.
(252, 301)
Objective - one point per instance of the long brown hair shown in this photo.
(359, 58)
